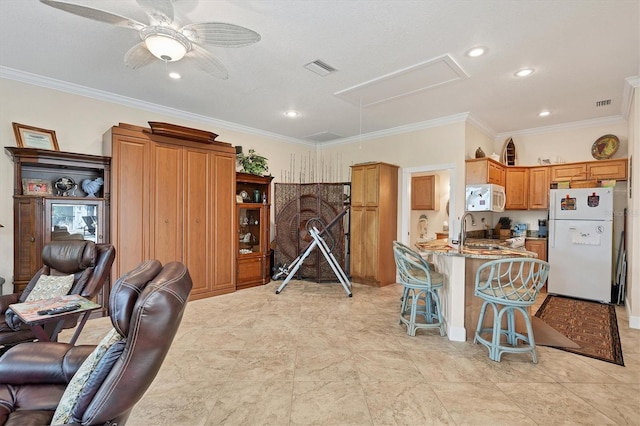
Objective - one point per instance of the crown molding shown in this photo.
(627, 94)
(75, 89)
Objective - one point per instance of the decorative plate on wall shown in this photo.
(604, 147)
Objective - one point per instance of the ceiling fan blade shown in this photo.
(95, 14)
(160, 11)
(220, 34)
(138, 56)
(206, 62)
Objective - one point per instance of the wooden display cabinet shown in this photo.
(49, 215)
(253, 215)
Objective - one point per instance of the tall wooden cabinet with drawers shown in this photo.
(374, 215)
(43, 213)
(174, 199)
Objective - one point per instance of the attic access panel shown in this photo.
(416, 78)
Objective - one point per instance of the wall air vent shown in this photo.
(603, 103)
(320, 68)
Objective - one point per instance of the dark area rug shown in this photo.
(591, 325)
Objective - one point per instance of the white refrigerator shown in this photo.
(581, 243)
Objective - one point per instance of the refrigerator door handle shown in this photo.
(552, 233)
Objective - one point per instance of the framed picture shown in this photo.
(36, 187)
(33, 137)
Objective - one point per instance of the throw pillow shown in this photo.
(50, 286)
(80, 379)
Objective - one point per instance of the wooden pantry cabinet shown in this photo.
(173, 198)
(374, 216)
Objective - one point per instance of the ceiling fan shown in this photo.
(164, 40)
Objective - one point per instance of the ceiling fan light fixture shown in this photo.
(165, 43)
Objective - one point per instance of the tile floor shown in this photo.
(313, 356)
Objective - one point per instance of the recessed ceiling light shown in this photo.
(544, 113)
(524, 72)
(175, 75)
(291, 114)
(477, 51)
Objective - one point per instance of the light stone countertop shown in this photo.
(474, 248)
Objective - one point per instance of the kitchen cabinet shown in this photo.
(374, 216)
(538, 246)
(40, 217)
(539, 187)
(607, 169)
(517, 188)
(253, 217)
(484, 170)
(424, 193)
(569, 171)
(599, 170)
(174, 199)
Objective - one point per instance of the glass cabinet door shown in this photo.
(74, 220)
(249, 230)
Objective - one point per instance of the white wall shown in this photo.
(79, 123)
(566, 143)
(633, 219)
(435, 218)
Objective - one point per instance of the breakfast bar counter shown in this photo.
(461, 307)
(474, 248)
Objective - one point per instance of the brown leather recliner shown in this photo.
(146, 308)
(90, 264)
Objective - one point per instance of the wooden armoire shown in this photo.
(374, 217)
(173, 198)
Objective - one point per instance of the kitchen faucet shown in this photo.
(463, 229)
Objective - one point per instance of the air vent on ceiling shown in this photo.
(603, 103)
(320, 68)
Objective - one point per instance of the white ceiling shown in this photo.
(582, 51)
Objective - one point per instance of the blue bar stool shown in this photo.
(420, 296)
(508, 285)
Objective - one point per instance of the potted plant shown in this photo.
(252, 162)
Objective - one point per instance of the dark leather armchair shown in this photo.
(90, 264)
(146, 309)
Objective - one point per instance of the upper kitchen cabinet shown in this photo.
(607, 169)
(484, 170)
(568, 171)
(424, 193)
(599, 170)
(517, 188)
(539, 187)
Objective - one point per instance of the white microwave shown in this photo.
(485, 197)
